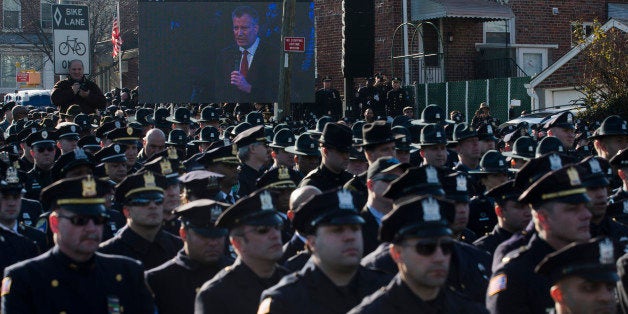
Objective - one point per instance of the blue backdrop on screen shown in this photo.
(188, 51)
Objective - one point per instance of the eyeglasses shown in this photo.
(45, 147)
(83, 220)
(145, 201)
(428, 247)
(385, 177)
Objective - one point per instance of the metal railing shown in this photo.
(497, 68)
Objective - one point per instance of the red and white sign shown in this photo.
(294, 44)
(21, 77)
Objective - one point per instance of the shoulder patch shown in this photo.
(264, 307)
(497, 284)
(6, 286)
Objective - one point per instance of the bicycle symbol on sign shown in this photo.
(72, 44)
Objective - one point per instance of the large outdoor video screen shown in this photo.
(193, 51)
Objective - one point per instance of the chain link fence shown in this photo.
(466, 96)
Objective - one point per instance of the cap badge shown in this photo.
(283, 173)
(555, 162)
(569, 118)
(129, 131)
(166, 167)
(461, 183)
(73, 128)
(431, 210)
(89, 187)
(501, 162)
(431, 174)
(44, 134)
(116, 148)
(117, 124)
(489, 129)
(212, 182)
(212, 135)
(12, 177)
(266, 200)
(345, 200)
(234, 150)
(607, 255)
(290, 140)
(33, 130)
(172, 153)
(79, 154)
(149, 179)
(595, 166)
(623, 125)
(574, 178)
(312, 145)
(16, 165)
(4, 156)
(530, 148)
(215, 212)
(437, 116)
(625, 211)
(404, 140)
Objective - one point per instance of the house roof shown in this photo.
(474, 9)
(618, 10)
(621, 24)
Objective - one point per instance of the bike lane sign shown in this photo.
(70, 25)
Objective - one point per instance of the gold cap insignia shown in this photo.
(574, 178)
(16, 165)
(129, 131)
(283, 173)
(89, 187)
(234, 150)
(172, 153)
(166, 167)
(149, 179)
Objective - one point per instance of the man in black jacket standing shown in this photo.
(77, 89)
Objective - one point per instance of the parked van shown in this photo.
(33, 97)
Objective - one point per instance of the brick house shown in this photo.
(479, 39)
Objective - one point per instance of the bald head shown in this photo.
(154, 142)
(302, 194)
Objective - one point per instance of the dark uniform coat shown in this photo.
(247, 179)
(397, 298)
(175, 283)
(63, 96)
(482, 217)
(397, 100)
(39, 180)
(15, 248)
(291, 248)
(323, 296)
(515, 288)
(35, 235)
(490, 241)
(152, 254)
(370, 229)
(328, 102)
(31, 209)
(53, 283)
(235, 290)
(324, 179)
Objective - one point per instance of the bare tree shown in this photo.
(37, 30)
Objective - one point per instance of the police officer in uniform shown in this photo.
(560, 216)
(255, 234)
(72, 277)
(512, 216)
(333, 278)
(130, 138)
(176, 282)
(142, 197)
(170, 169)
(335, 144)
(397, 99)
(591, 265)
(328, 101)
(15, 248)
(222, 160)
(422, 247)
(42, 146)
(253, 153)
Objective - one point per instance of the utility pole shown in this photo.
(287, 26)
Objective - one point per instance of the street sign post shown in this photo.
(70, 24)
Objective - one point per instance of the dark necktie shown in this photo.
(244, 63)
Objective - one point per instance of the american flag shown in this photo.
(116, 40)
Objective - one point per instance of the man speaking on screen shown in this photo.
(248, 70)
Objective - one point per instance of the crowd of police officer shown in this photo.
(214, 208)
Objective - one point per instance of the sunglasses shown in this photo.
(146, 201)
(428, 247)
(83, 220)
(43, 148)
